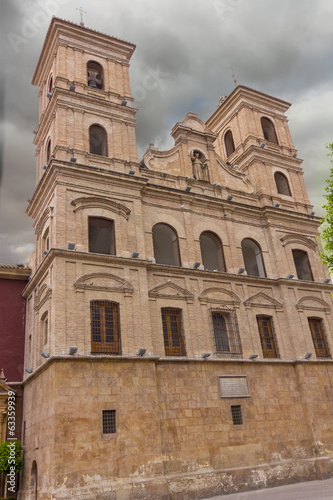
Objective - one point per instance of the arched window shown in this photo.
(105, 327)
(269, 130)
(34, 485)
(282, 184)
(95, 75)
(212, 251)
(101, 236)
(254, 264)
(46, 240)
(44, 329)
(229, 143)
(50, 85)
(302, 265)
(48, 151)
(98, 140)
(165, 241)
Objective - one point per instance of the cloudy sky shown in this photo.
(282, 48)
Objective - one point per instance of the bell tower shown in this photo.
(85, 102)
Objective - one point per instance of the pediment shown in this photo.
(219, 295)
(103, 282)
(298, 239)
(261, 299)
(170, 290)
(43, 295)
(313, 303)
(193, 122)
(87, 202)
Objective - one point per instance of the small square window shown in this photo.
(109, 422)
(236, 413)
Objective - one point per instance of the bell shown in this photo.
(92, 83)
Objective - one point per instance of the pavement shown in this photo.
(312, 490)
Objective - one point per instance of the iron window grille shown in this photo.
(109, 422)
(318, 337)
(105, 327)
(225, 332)
(172, 332)
(236, 414)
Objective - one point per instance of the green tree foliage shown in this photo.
(327, 232)
(9, 459)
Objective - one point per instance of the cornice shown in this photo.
(102, 358)
(166, 271)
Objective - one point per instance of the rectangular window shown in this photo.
(173, 343)
(236, 413)
(267, 339)
(109, 422)
(302, 265)
(101, 236)
(105, 330)
(226, 335)
(318, 338)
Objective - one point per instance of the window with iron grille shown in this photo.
(105, 329)
(236, 413)
(226, 334)
(267, 337)
(109, 422)
(318, 337)
(173, 342)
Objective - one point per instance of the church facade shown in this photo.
(179, 332)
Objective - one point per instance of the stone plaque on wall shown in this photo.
(231, 386)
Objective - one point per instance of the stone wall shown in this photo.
(175, 436)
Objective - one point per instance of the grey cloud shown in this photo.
(280, 48)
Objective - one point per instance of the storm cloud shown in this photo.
(182, 62)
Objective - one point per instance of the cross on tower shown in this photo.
(81, 12)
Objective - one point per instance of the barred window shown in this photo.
(226, 334)
(109, 422)
(101, 236)
(105, 329)
(318, 337)
(173, 342)
(236, 414)
(267, 337)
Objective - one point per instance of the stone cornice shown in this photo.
(101, 358)
(166, 271)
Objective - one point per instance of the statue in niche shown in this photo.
(199, 166)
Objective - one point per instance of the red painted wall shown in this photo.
(12, 328)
